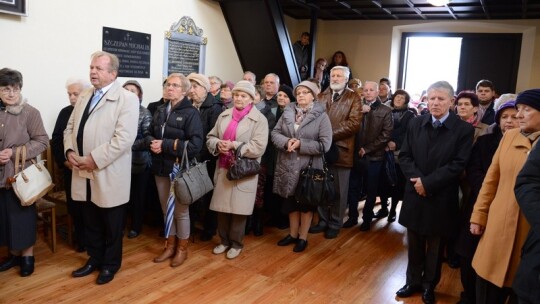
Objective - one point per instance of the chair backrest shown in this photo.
(54, 169)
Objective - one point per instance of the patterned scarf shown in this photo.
(230, 134)
(302, 113)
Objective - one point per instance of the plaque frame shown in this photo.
(186, 31)
(14, 7)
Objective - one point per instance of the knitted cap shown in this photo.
(287, 90)
(200, 79)
(135, 83)
(530, 98)
(246, 87)
(310, 85)
(504, 106)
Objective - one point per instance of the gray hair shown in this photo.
(114, 64)
(346, 71)
(442, 85)
(375, 84)
(72, 80)
(184, 81)
(210, 78)
(273, 75)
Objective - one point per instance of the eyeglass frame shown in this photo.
(14, 90)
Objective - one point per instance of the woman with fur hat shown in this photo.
(245, 129)
(298, 136)
(496, 216)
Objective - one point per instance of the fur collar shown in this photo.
(15, 109)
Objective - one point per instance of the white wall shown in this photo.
(57, 38)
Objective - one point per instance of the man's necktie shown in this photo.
(335, 97)
(437, 124)
(95, 99)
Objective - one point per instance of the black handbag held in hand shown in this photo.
(242, 166)
(316, 186)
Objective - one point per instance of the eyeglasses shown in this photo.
(8, 90)
(302, 93)
(174, 85)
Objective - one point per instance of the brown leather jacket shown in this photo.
(378, 125)
(345, 116)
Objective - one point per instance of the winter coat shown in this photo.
(108, 135)
(314, 129)
(376, 130)
(20, 125)
(238, 196)
(497, 256)
(345, 116)
(183, 123)
(437, 157)
(527, 191)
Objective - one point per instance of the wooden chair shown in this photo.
(46, 211)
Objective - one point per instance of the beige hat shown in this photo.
(310, 85)
(246, 87)
(200, 79)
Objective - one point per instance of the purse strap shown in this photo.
(325, 166)
(184, 156)
(237, 152)
(20, 158)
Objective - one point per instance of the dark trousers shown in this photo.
(104, 231)
(333, 217)
(137, 195)
(75, 210)
(488, 293)
(371, 187)
(425, 259)
(355, 191)
(468, 280)
(231, 229)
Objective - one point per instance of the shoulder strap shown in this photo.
(237, 152)
(184, 156)
(17, 159)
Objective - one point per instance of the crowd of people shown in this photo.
(453, 163)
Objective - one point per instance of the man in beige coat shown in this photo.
(97, 142)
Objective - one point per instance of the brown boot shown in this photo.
(170, 248)
(181, 254)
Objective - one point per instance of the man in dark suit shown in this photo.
(434, 153)
(97, 143)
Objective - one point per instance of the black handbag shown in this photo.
(242, 166)
(316, 186)
(191, 182)
(390, 168)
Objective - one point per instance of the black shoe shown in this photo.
(84, 271)
(453, 262)
(132, 234)
(317, 229)
(408, 290)
(331, 233)
(382, 213)
(206, 236)
(428, 296)
(287, 240)
(10, 262)
(105, 276)
(365, 226)
(257, 227)
(350, 222)
(27, 265)
(392, 216)
(300, 245)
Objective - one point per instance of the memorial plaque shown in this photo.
(133, 50)
(185, 48)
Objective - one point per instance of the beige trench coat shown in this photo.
(238, 197)
(109, 134)
(498, 254)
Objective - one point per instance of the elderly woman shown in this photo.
(175, 124)
(401, 115)
(140, 163)
(298, 136)
(241, 127)
(21, 126)
(467, 104)
(496, 215)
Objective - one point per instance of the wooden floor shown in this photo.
(356, 267)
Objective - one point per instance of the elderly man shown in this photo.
(344, 109)
(97, 143)
(433, 156)
(209, 108)
(74, 89)
(250, 76)
(373, 137)
(271, 88)
(215, 86)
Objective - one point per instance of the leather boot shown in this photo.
(27, 265)
(257, 222)
(170, 246)
(10, 262)
(181, 254)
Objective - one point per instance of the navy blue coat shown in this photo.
(438, 157)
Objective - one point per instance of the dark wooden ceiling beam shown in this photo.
(451, 11)
(415, 9)
(485, 9)
(379, 5)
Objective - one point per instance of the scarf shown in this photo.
(302, 113)
(225, 160)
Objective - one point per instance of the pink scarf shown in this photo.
(230, 134)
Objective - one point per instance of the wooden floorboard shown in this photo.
(356, 267)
